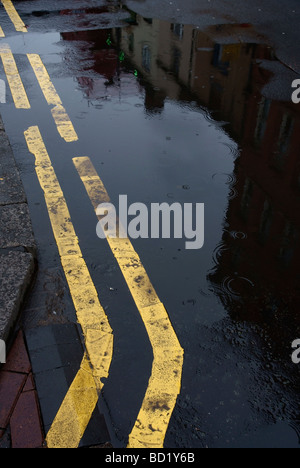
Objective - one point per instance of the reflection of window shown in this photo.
(218, 60)
(216, 94)
(178, 30)
(262, 119)
(289, 240)
(146, 59)
(285, 134)
(266, 221)
(298, 181)
(246, 198)
(283, 143)
(131, 42)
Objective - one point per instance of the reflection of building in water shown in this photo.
(101, 70)
(263, 226)
(183, 63)
(260, 252)
(261, 249)
(256, 264)
(173, 61)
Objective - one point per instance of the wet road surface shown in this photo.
(165, 112)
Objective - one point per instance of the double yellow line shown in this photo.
(70, 423)
(14, 16)
(13, 77)
(165, 381)
(59, 114)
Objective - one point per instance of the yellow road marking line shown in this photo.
(78, 406)
(1, 32)
(14, 80)
(14, 16)
(61, 118)
(165, 382)
(75, 413)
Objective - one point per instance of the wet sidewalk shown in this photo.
(20, 425)
(17, 243)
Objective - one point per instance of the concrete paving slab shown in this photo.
(11, 188)
(15, 228)
(16, 272)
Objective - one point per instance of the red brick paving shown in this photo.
(24, 423)
(19, 410)
(30, 385)
(18, 360)
(11, 385)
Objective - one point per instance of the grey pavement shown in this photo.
(17, 244)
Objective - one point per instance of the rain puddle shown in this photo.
(195, 124)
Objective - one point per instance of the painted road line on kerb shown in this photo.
(61, 118)
(14, 16)
(165, 382)
(77, 408)
(13, 77)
